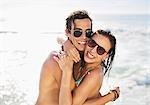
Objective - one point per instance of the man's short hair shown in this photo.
(82, 14)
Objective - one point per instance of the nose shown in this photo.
(83, 35)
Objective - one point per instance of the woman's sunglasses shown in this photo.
(100, 50)
(78, 33)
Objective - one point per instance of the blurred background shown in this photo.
(29, 31)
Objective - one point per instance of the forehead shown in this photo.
(82, 23)
(102, 41)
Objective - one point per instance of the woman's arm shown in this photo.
(71, 51)
(65, 96)
(102, 100)
(66, 65)
(80, 94)
(90, 84)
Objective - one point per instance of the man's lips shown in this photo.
(82, 42)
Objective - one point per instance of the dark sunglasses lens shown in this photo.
(77, 33)
(89, 33)
(91, 43)
(100, 50)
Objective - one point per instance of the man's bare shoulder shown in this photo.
(50, 66)
(50, 62)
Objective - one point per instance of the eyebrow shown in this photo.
(81, 29)
(78, 28)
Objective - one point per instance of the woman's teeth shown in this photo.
(90, 55)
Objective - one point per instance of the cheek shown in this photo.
(103, 57)
(72, 38)
(99, 58)
(87, 49)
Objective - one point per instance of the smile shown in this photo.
(82, 42)
(89, 55)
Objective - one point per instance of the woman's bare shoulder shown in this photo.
(95, 77)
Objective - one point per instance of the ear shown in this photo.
(67, 32)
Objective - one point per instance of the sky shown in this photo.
(95, 6)
(23, 15)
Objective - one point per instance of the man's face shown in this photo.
(82, 25)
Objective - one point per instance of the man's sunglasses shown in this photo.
(78, 33)
(100, 50)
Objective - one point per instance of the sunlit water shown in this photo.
(23, 49)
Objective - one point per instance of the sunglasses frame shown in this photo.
(100, 50)
(88, 32)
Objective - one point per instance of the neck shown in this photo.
(92, 65)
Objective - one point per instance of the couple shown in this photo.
(74, 76)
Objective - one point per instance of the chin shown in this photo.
(81, 48)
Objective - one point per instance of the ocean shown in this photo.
(25, 42)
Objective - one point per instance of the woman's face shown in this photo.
(96, 49)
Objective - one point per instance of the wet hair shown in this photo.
(107, 64)
(82, 14)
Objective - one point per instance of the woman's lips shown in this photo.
(89, 55)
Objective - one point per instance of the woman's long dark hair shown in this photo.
(107, 64)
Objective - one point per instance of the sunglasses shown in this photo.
(100, 50)
(79, 32)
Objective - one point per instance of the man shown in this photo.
(78, 29)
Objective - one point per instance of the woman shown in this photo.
(99, 54)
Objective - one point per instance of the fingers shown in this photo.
(71, 54)
(118, 90)
(64, 62)
(116, 93)
(71, 51)
(56, 59)
(62, 57)
(74, 54)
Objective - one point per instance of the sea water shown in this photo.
(24, 46)
(131, 68)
